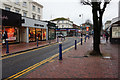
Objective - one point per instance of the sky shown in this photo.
(73, 8)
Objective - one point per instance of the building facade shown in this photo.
(11, 23)
(107, 24)
(64, 24)
(33, 29)
(115, 28)
(27, 8)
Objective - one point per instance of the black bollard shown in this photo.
(37, 42)
(60, 51)
(75, 44)
(7, 50)
(81, 41)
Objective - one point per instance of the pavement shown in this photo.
(21, 47)
(75, 65)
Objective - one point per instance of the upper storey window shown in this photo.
(33, 8)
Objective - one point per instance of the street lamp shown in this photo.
(81, 15)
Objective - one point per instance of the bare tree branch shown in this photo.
(105, 5)
(86, 2)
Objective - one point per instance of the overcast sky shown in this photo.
(72, 9)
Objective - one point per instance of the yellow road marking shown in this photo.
(24, 52)
(51, 60)
(27, 51)
(37, 64)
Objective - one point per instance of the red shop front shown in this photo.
(11, 23)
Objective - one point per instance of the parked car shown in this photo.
(60, 36)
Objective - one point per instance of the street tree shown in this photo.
(98, 8)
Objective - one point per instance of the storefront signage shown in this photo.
(10, 18)
(66, 29)
(3, 17)
(39, 25)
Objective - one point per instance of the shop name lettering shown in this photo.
(3, 17)
(38, 25)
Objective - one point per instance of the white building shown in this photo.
(115, 28)
(63, 22)
(107, 24)
(65, 26)
(28, 8)
(32, 28)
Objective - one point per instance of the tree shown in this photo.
(97, 11)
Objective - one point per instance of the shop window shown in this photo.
(31, 34)
(43, 34)
(51, 34)
(39, 34)
(12, 34)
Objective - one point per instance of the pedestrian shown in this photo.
(81, 34)
(4, 37)
(106, 35)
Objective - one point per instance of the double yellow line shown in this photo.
(37, 64)
(25, 52)
(31, 68)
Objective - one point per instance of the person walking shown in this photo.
(4, 37)
(106, 35)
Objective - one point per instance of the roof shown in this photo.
(108, 22)
(36, 3)
(56, 19)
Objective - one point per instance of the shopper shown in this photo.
(106, 35)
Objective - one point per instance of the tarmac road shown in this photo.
(13, 65)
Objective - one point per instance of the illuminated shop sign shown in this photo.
(39, 25)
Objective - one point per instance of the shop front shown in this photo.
(51, 30)
(11, 23)
(67, 32)
(33, 29)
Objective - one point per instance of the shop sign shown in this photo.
(11, 38)
(3, 17)
(39, 25)
(10, 18)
